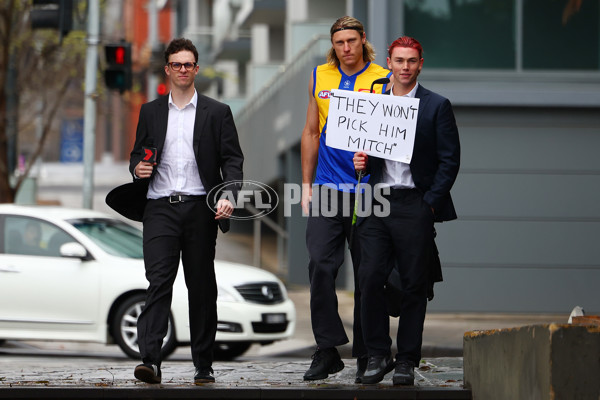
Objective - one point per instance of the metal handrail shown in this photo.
(306, 55)
(282, 235)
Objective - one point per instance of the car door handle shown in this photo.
(9, 268)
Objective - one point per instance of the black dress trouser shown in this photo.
(173, 230)
(327, 232)
(405, 233)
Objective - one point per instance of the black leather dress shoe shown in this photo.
(149, 373)
(377, 368)
(404, 373)
(361, 367)
(325, 362)
(204, 375)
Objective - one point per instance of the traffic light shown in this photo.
(117, 74)
(52, 14)
(162, 89)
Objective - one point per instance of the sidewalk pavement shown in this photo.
(272, 371)
(443, 332)
(272, 376)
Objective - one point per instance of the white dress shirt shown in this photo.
(397, 174)
(177, 171)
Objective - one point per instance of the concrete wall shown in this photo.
(538, 362)
(527, 196)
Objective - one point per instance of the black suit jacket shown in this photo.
(436, 154)
(216, 145)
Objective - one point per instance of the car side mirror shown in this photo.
(73, 250)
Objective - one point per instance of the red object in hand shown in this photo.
(149, 154)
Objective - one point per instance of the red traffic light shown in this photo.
(120, 55)
(161, 89)
(118, 74)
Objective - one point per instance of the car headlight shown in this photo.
(225, 295)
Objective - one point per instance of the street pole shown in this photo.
(153, 44)
(12, 114)
(89, 121)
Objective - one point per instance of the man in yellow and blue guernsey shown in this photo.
(329, 202)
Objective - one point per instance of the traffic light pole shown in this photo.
(89, 121)
(153, 44)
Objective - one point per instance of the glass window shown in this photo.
(463, 33)
(33, 237)
(113, 236)
(560, 34)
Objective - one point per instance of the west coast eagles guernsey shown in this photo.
(335, 167)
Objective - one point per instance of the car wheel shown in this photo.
(230, 350)
(124, 328)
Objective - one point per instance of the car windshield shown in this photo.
(113, 236)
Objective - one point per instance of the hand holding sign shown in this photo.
(360, 161)
(380, 125)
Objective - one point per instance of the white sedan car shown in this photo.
(78, 275)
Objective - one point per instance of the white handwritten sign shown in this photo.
(380, 125)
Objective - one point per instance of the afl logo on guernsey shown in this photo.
(347, 83)
(324, 94)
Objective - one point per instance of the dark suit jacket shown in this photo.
(436, 154)
(216, 145)
(434, 167)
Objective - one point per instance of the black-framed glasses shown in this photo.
(176, 66)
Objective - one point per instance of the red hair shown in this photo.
(406, 41)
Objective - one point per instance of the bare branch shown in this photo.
(46, 129)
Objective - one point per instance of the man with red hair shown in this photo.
(419, 195)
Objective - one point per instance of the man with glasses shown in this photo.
(196, 145)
